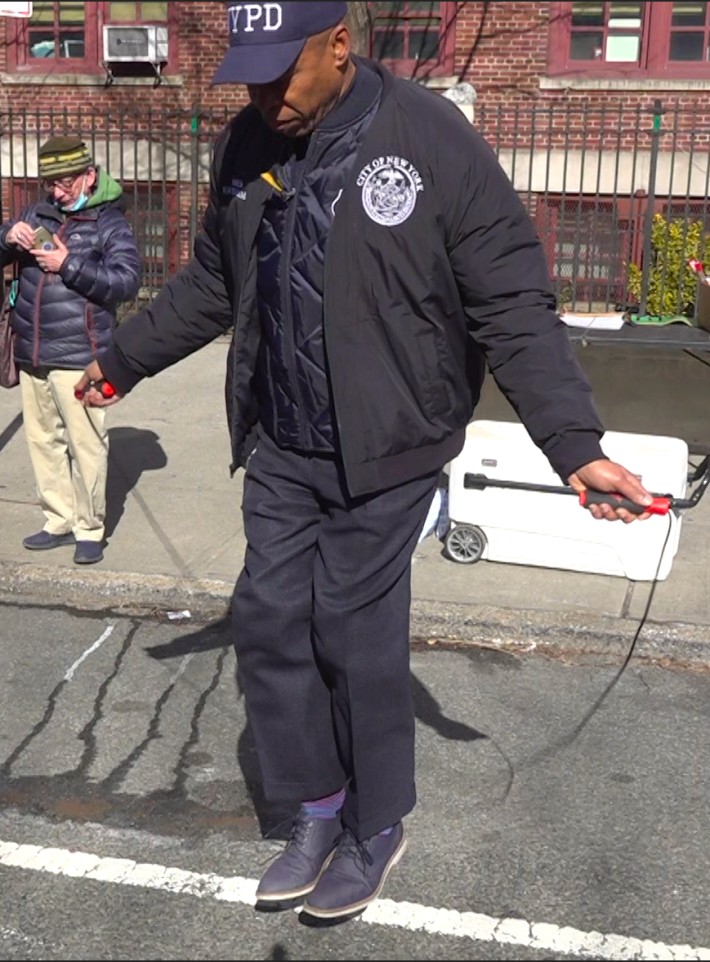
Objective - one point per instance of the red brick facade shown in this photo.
(201, 41)
(576, 147)
(502, 48)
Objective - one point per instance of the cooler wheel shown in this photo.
(465, 544)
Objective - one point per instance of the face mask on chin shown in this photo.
(81, 203)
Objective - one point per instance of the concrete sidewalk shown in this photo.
(176, 539)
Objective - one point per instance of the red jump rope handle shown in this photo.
(659, 506)
(108, 391)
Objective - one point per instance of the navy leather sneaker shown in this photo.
(356, 875)
(88, 553)
(44, 541)
(296, 873)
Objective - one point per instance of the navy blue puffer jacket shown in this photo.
(65, 320)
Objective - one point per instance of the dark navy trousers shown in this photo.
(321, 623)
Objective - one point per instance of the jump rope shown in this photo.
(661, 506)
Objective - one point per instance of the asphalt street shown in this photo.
(131, 824)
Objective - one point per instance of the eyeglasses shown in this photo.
(63, 183)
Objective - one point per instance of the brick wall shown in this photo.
(202, 41)
(502, 48)
(555, 144)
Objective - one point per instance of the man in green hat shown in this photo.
(77, 262)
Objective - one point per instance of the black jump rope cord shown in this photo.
(568, 740)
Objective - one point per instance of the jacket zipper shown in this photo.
(89, 321)
(38, 306)
(327, 284)
(250, 233)
(286, 299)
(233, 388)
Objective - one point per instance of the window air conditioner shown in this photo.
(135, 44)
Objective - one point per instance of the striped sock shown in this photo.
(325, 808)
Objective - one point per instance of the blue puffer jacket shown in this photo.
(65, 320)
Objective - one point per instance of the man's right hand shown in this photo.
(91, 397)
(22, 236)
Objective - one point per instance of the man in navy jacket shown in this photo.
(371, 256)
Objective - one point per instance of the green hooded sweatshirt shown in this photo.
(107, 190)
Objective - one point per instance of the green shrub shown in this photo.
(673, 286)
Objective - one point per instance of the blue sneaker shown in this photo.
(356, 875)
(88, 553)
(44, 541)
(295, 873)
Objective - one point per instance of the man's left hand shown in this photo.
(52, 261)
(612, 478)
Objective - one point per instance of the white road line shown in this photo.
(95, 647)
(182, 669)
(397, 915)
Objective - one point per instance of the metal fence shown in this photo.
(619, 193)
(161, 157)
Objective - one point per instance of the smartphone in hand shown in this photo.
(44, 240)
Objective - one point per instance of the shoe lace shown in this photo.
(299, 831)
(357, 852)
(298, 835)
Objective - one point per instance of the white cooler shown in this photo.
(553, 530)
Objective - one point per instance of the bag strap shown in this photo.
(9, 294)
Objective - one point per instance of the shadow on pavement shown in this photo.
(428, 711)
(10, 431)
(275, 821)
(132, 453)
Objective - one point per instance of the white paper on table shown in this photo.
(595, 322)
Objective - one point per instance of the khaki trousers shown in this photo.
(68, 446)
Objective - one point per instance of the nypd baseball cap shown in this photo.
(266, 39)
